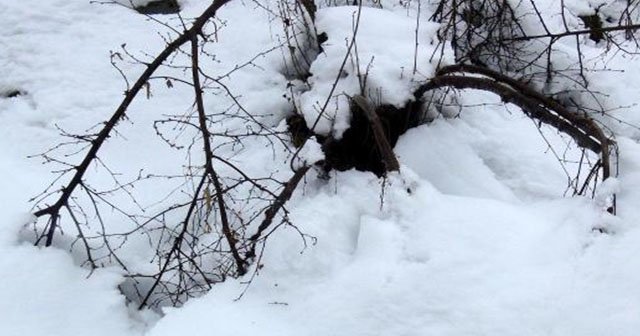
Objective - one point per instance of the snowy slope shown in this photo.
(472, 237)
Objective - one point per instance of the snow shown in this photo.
(477, 234)
(454, 267)
(44, 293)
(384, 63)
(310, 153)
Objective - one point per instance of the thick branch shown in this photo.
(275, 207)
(386, 151)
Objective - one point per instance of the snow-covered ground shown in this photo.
(472, 237)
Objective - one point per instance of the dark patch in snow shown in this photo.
(594, 23)
(357, 147)
(160, 7)
(321, 38)
(12, 93)
(298, 130)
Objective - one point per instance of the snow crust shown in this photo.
(472, 237)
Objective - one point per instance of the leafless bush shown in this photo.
(215, 221)
(511, 45)
(219, 224)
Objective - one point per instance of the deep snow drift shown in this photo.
(472, 237)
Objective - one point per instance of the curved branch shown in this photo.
(582, 122)
(584, 131)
